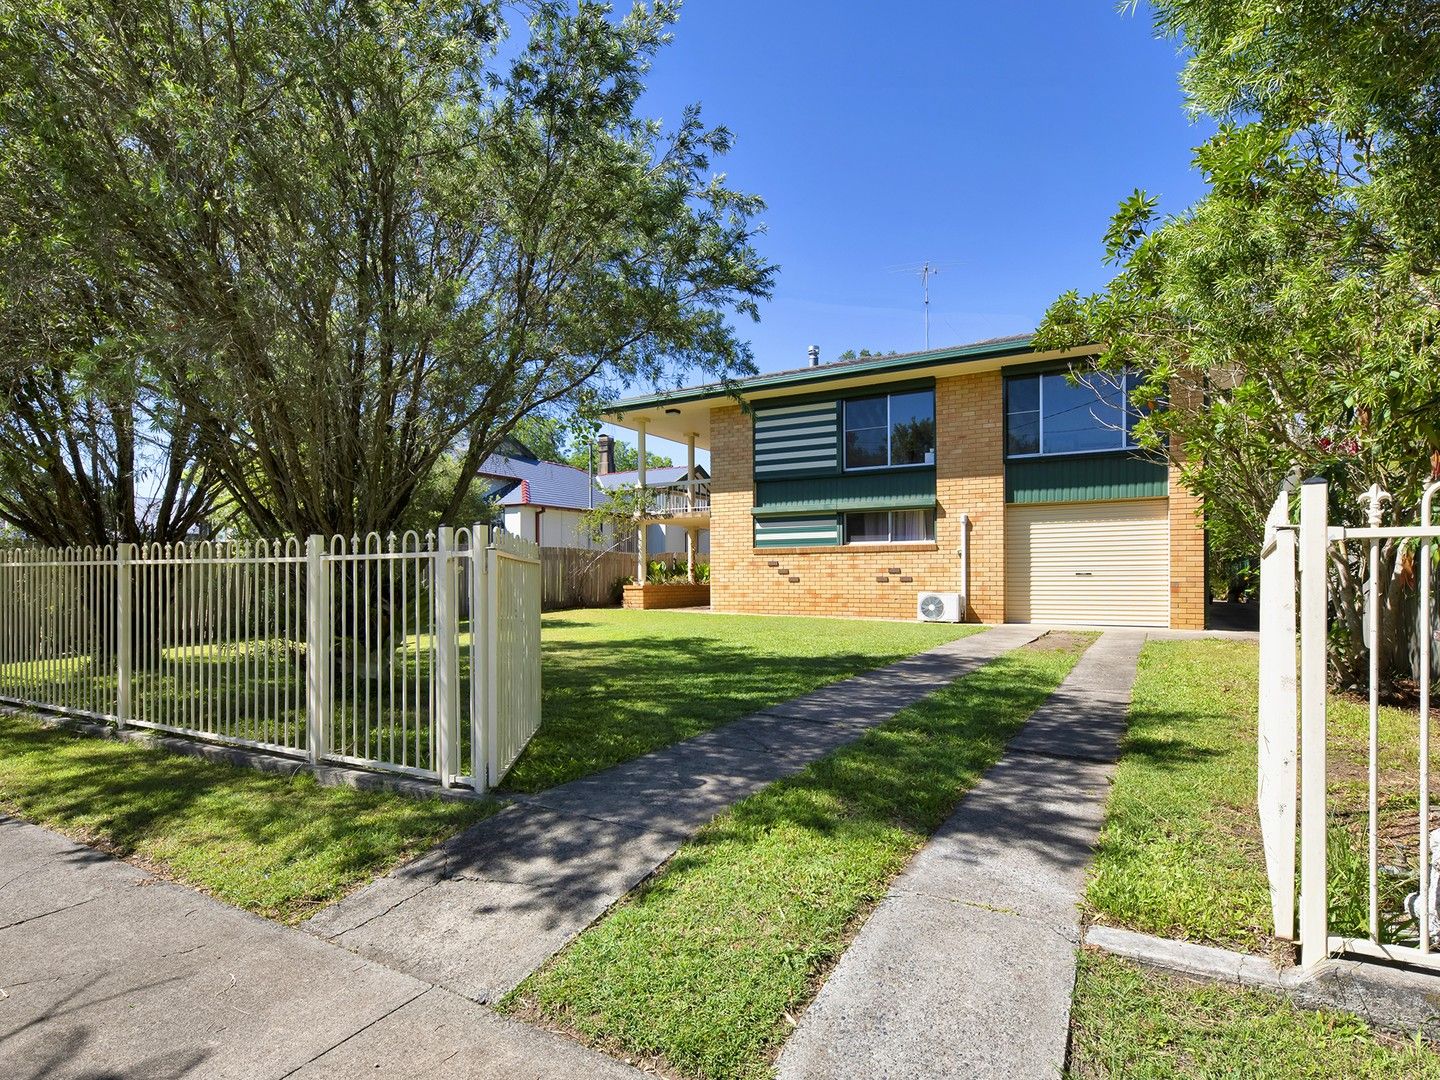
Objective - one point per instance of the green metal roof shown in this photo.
(837, 369)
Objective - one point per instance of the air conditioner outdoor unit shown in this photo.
(939, 607)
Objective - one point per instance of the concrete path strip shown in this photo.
(967, 967)
(481, 912)
(107, 972)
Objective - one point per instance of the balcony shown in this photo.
(675, 506)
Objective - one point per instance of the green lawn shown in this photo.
(280, 847)
(1180, 854)
(1131, 1022)
(618, 684)
(702, 968)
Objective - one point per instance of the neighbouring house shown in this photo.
(546, 501)
(543, 501)
(677, 512)
(851, 487)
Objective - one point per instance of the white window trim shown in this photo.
(1039, 376)
(845, 465)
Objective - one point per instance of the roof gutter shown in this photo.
(823, 374)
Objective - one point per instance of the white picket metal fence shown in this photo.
(1294, 714)
(417, 654)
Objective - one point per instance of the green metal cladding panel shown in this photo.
(797, 439)
(896, 489)
(816, 530)
(1084, 478)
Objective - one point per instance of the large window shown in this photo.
(1049, 414)
(890, 430)
(890, 527)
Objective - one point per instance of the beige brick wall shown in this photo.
(970, 479)
(870, 581)
(1187, 557)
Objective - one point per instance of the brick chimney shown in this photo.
(604, 455)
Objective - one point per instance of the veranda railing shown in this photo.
(417, 654)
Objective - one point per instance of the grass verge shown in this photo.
(278, 846)
(700, 969)
(1180, 853)
(1132, 1022)
(618, 684)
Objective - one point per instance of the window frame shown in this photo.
(845, 540)
(1127, 445)
(846, 467)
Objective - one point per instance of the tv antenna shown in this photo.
(926, 272)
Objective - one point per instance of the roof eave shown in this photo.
(825, 373)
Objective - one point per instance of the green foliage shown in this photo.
(278, 846)
(703, 965)
(656, 677)
(351, 239)
(615, 517)
(1289, 319)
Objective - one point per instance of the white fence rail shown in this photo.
(1396, 857)
(359, 652)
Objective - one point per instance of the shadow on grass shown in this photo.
(275, 845)
(1167, 753)
(609, 697)
(702, 965)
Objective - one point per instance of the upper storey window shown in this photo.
(1049, 414)
(890, 430)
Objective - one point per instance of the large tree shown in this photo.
(367, 233)
(1289, 319)
(90, 452)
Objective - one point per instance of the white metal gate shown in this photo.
(1289, 688)
(352, 651)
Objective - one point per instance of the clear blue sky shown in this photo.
(993, 140)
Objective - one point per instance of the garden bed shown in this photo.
(652, 596)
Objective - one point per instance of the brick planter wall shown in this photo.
(649, 597)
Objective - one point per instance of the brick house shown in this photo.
(848, 488)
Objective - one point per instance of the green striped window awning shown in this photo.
(794, 438)
(797, 531)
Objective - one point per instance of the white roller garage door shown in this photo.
(1099, 562)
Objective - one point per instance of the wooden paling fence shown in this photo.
(575, 577)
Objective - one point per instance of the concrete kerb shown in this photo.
(1398, 999)
(258, 760)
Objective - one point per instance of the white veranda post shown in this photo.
(641, 545)
(690, 533)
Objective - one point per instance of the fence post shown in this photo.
(1276, 786)
(124, 661)
(1314, 545)
(492, 662)
(317, 648)
(447, 677)
(479, 655)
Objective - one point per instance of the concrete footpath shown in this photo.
(484, 910)
(967, 967)
(108, 972)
